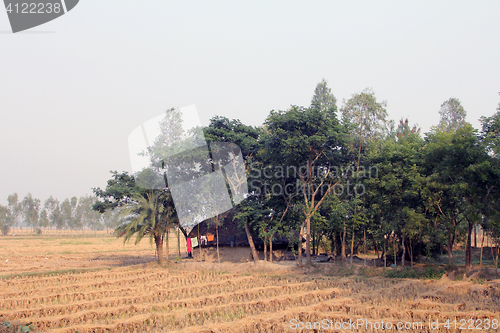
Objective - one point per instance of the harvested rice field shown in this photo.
(79, 293)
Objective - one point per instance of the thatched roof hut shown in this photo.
(229, 231)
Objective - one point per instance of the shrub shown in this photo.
(5, 229)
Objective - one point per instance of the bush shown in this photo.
(5, 229)
(407, 273)
(434, 273)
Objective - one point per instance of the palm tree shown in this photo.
(148, 214)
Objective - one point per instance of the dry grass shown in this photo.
(193, 296)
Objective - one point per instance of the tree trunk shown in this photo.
(179, 242)
(364, 245)
(265, 248)
(482, 242)
(168, 248)
(184, 232)
(449, 248)
(375, 246)
(159, 248)
(313, 241)
(217, 233)
(404, 250)
(352, 243)
(384, 255)
(496, 260)
(301, 233)
(199, 240)
(475, 235)
(344, 236)
(271, 248)
(411, 254)
(334, 244)
(255, 255)
(308, 240)
(395, 254)
(468, 249)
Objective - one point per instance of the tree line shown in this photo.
(342, 178)
(72, 214)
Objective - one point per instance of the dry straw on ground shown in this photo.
(194, 296)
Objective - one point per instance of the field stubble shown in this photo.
(207, 297)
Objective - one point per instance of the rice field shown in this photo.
(191, 296)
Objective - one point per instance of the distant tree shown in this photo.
(56, 217)
(67, 213)
(88, 217)
(76, 214)
(452, 115)
(404, 129)
(30, 210)
(44, 219)
(111, 219)
(51, 205)
(323, 98)
(5, 220)
(367, 116)
(14, 207)
(490, 133)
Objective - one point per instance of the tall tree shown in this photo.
(30, 210)
(490, 133)
(44, 219)
(307, 141)
(67, 213)
(458, 185)
(323, 98)
(452, 115)
(88, 216)
(367, 115)
(222, 129)
(393, 198)
(54, 212)
(366, 119)
(14, 207)
(5, 220)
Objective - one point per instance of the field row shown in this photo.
(167, 298)
(159, 300)
(36, 282)
(276, 315)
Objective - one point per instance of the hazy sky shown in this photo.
(72, 90)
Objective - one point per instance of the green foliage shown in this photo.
(6, 220)
(30, 209)
(323, 98)
(145, 216)
(5, 229)
(490, 133)
(424, 196)
(429, 273)
(452, 115)
(366, 115)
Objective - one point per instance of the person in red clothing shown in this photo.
(189, 248)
